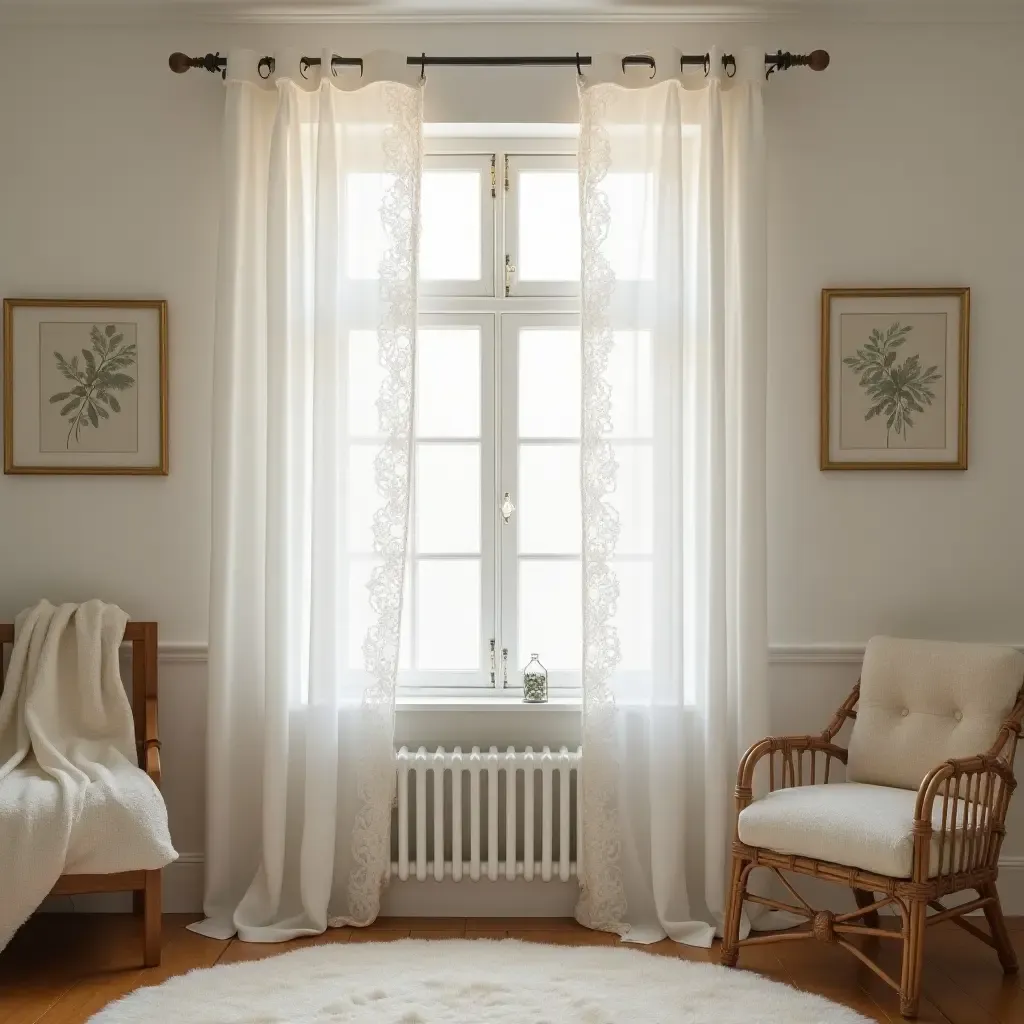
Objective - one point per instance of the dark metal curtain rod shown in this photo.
(817, 60)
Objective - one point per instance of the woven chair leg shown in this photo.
(733, 912)
(997, 926)
(913, 958)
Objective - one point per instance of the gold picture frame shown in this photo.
(915, 418)
(113, 403)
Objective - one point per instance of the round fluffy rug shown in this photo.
(476, 981)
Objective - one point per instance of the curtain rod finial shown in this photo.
(819, 60)
(179, 63)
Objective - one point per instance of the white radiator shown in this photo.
(486, 814)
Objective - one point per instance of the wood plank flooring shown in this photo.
(62, 968)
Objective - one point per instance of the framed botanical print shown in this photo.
(85, 386)
(894, 378)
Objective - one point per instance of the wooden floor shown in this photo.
(60, 969)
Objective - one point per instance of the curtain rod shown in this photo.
(817, 60)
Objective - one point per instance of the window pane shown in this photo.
(448, 615)
(549, 499)
(361, 616)
(634, 612)
(633, 498)
(450, 240)
(549, 382)
(550, 614)
(629, 375)
(447, 498)
(549, 226)
(448, 382)
(365, 236)
(629, 245)
(365, 375)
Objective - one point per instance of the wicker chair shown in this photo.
(921, 814)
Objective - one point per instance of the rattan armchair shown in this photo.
(951, 837)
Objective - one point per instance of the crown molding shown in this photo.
(130, 13)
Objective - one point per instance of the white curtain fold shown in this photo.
(673, 481)
(312, 414)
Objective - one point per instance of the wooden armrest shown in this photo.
(149, 752)
(788, 745)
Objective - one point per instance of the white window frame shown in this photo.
(485, 165)
(516, 164)
(451, 682)
(511, 558)
(498, 316)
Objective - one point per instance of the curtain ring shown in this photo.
(641, 58)
(579, 69)
(303, 66)
(266, 62)
(729, 61)
(423, 67)
(707, 64)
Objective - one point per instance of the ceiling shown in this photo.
(509, 10)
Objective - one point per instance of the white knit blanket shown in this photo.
(72, 797)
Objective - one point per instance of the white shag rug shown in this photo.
(476, 981)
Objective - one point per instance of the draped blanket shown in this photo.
(72, 797)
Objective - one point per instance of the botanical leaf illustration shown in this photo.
(105, 360)
(896, 390)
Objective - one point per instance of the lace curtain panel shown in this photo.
(673, 482)
(316, 310)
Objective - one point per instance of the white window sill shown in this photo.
(426, 702)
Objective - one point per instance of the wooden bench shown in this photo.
(144, 885)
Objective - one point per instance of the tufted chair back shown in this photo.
(925, 701)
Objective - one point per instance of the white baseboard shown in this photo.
(479, 899)
(183, 894)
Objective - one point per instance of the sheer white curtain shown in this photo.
(673, 479)
(312, 412)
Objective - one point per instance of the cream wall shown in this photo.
(899, 165)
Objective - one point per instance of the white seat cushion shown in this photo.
(848, 823)
(925, 701)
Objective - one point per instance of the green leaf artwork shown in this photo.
(897, 391)
(90, 400)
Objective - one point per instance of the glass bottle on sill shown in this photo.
(535, 682)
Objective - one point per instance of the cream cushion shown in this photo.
(849, 823)
(923, 702)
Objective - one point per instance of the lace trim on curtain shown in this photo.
(602, 903)
(375, 775)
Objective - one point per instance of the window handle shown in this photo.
(507, 507)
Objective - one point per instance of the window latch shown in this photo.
(507, 507)
(509, 271)
(493, 666)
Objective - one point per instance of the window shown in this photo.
(498, 412)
